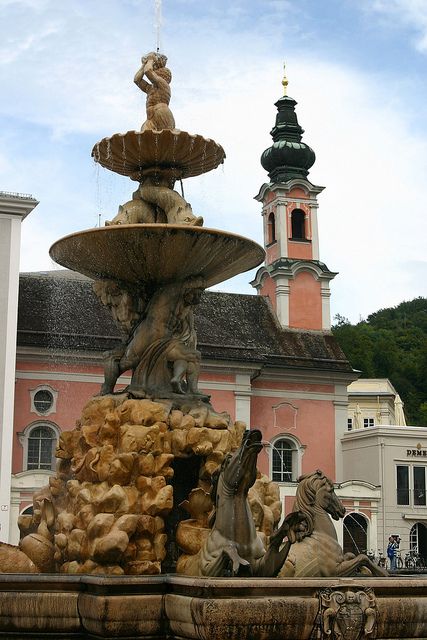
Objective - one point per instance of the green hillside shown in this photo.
(392, 343)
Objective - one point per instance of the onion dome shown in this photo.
(288, 157)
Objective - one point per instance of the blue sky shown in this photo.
(356, 67)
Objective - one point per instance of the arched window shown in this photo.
(355, 533)
(298, 224)
(418, 539)
(284, 461)
(271, 228)
(41, 447)
(38, 441)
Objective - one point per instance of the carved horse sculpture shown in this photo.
(318, 553)
(233, 546)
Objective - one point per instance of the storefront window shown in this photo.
(419, 486)
(402, 484)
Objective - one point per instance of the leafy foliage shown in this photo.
(392, 343)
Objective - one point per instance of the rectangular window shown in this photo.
(368, 422)
(419, 486)
(349, 424)
(402, 476)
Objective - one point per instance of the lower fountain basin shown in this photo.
(166, 606)
(157, 253)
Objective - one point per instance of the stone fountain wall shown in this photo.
(176, 607)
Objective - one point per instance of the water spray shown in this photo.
(158, 21)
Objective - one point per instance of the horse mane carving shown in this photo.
(305, 500)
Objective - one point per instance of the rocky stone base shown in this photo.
(106, 510)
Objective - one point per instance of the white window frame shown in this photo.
(25, 435)
(411, 484)
(43, 387)
(297, 452)
(368, 422)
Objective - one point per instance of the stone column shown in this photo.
(14, 208)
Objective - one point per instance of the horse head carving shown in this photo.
(318, 552)
(315, 491)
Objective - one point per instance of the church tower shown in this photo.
(293, 277)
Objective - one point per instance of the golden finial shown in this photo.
(285, 81)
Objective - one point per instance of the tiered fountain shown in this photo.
(105, 534)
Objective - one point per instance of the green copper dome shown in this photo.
(288, 157)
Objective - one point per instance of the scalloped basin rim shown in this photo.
(157, 253)
(135, 153)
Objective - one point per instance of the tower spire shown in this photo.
(285, 81)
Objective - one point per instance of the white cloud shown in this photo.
(410, 13)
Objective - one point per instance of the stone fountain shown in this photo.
(97, 557)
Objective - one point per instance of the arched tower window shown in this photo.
(298, 224)
(284, 461)
(271, 228)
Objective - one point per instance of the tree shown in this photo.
(392, 343)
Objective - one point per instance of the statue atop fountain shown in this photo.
(153, 66)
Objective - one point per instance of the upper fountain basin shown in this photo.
(157, 253)
(171, 153)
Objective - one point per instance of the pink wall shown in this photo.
(302, 250)
(272, 253)
(222, 400)
(305, 302)
(311, 422)
(292, 386)
(296, 192)
(268, 288)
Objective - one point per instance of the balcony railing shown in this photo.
(15, 194)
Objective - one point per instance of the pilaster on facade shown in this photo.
(326, 305)
(243, 394)
(282, 299)
(341, 415)
(315, 232)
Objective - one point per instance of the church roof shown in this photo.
(58, 310)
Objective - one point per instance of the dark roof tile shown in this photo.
(59, 310)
